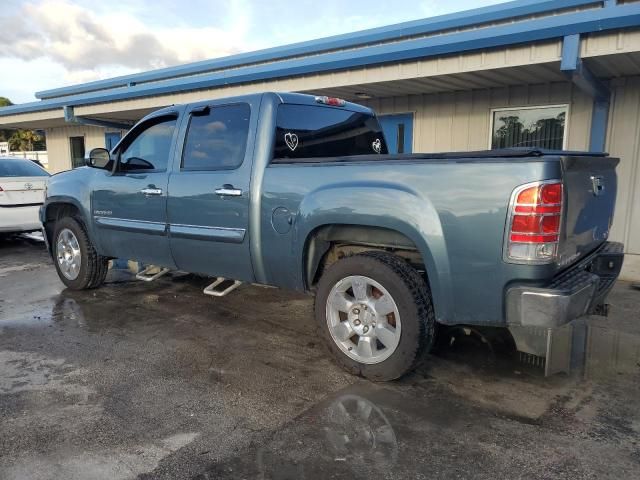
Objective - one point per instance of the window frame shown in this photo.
(198, 109)
(133, 134)
(566, 106)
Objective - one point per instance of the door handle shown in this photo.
(151, 191)
(229, 191)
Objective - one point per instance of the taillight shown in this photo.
(535, 217)
(331, 101)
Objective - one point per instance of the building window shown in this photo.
(541, 127)
(77, 151)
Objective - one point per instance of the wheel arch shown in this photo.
(56, 208)
(329, 242)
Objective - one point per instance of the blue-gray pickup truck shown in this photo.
(299, 192)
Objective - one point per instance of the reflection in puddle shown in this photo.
(350, 433)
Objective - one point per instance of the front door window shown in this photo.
(149, 150)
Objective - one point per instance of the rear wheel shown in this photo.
(77, 263)
(375, 313)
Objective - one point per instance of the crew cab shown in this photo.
(299, 192)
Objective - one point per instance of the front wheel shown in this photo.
(376, 315)
(77, 263)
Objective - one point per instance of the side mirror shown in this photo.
(99, 158)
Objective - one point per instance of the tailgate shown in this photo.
(21, 190)
(590, 184)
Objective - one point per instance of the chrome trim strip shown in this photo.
(215, 234)
(128, 225)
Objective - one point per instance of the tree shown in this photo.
(5, 134)
(20, 140)
(24, 140)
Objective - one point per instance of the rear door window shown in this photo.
(307, 131)
(21, 168)
(217, 138)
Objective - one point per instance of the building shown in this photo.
(555, 73)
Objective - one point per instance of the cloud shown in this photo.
(81, 41)
(51, 43)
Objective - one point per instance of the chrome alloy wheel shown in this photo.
(68, 254)
(363, 319)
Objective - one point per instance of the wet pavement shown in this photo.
(138, 380)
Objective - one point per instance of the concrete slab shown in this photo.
(138, 380)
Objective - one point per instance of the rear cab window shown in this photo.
(313, 131)
(20, 168)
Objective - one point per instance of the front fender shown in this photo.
(386, 205)
(71, 188)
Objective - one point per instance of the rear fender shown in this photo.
(384, 205)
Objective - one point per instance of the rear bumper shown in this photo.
(20, 219)
(577, 292)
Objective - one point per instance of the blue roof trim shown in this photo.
(624, 16)
(467, 18)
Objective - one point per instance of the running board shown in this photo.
(145, 276)
(211, 289)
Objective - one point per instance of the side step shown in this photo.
(146, 276)
(211, 289)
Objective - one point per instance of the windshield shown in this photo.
(17, 167)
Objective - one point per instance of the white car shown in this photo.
(22, 185)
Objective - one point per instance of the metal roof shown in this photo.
(440, 36)
(469, 18)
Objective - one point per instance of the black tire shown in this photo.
(412, 297)
(93, 267)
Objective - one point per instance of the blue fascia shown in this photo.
(596, 20)
(495, 13)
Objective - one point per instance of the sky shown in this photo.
(51, 43)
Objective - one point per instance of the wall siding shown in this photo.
(624, 142)
(459, 121)
(58, 145)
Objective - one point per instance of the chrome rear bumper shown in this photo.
(579, 291)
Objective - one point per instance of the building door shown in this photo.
(76, 149)
(111, 139)
(398, 131)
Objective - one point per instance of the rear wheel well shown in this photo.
(330, 243)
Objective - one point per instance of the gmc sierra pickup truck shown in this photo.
(299, 192)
